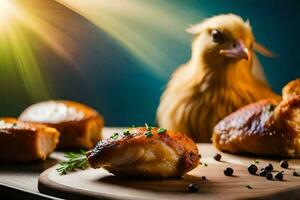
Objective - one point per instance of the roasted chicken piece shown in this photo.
(80, 126)
(24, 142)
(155, 153)
(267, 127)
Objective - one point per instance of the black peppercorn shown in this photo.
(284, 164)
(269, 176)
(263, 172)
(295, 173)
(217, 157)
(252, 169)
(279, 176)
(228, 171)
(193, 187)
(269, 167)
(204, 178)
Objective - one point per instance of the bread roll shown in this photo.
(80, 126)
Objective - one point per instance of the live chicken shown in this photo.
(222, 75)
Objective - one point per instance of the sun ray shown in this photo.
(139, 26)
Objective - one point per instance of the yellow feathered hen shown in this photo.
(222, 75)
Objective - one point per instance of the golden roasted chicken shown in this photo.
(80, 126)
(267, 127)
(146, 152)
(24, 142)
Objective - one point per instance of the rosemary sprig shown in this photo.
(148, 128)
(74, 161)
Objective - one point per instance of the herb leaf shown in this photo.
(269, 108)
(148, 134)
(114, 136)
(148, 127)
(161, 130)
(127, 132)
(74, 161)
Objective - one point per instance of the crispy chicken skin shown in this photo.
(168, 154)
(80, 126)
(25, 142)
(267, 127)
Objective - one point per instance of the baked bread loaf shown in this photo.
(24, 142)
(80, 126)
(155, 153)
(267, 127)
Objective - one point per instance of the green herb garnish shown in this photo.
(74, 161)
(127, 132)
(114, 136)
(256, 161)
(248, 186)
(148, 127)
(148, 134)
(269, 108)
(161, 130)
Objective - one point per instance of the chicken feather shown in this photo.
(216, 81)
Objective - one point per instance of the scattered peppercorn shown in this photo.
(204, 178)
(284, 164)
(248, 186)
(217, 157)
(193, 187)
(263, 172)
(252, 169)
(269, 167)
(228, 171)
(279, 176)
(269, 176)
(148, 134)
(295, 173)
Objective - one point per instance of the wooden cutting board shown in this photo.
(100, 184)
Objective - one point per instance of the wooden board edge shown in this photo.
(49, 187)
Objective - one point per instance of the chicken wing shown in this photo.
(263, 128)
(24, 142)
(155, 153)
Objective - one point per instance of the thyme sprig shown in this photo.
(74, 161)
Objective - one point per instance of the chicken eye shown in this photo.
(216, 36)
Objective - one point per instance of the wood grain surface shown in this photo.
(99, 184)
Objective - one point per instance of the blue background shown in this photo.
(125, 92)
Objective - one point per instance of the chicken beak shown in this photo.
(239, 51)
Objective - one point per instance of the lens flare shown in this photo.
(21, 23)
(17, 59)
(142, 27)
